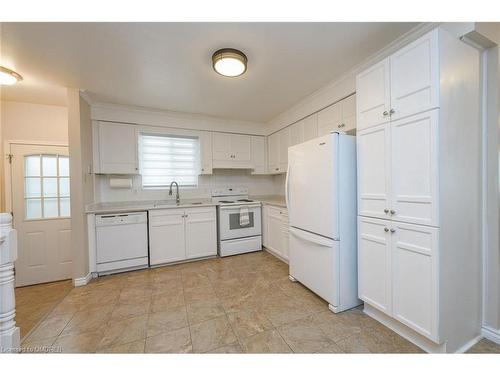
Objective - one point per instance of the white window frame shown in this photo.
(168, 135)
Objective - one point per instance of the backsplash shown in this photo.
(256, 184)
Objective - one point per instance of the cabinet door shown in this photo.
(373, 95)
(285, 234)
(201, 232)
(329, 119)
(221, 146)
(415, 77)
(374, 263)
(265, 226)
(275, 228)
(166, 236)
(374, 171)
(414, 173)
(206, 153)
(297, 133)
(415, 277)
(118, 148)
(273, 144)
(241, 147)
(259, 155)
(348, 113)
(284, 135)
(310, 125)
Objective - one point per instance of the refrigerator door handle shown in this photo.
(287, 178)
(306, 236)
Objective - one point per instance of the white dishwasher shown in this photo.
(122, 242)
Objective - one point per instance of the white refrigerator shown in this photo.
(321, 201)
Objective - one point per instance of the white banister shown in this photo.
(9, 333)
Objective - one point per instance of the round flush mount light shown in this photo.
(9, 77)
(229, 62)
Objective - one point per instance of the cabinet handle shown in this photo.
(341, 125)
(392, 111)
(277, 169)
(202, 169)
(386, 211)
(393, 230)
(386, 229)
(385, 113)
(393, 212)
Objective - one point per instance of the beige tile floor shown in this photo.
(240, 304)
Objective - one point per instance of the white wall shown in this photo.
(256, 184)
(31, 122)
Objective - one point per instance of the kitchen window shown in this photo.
(163, 159)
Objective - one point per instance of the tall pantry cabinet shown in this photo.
(418, 142)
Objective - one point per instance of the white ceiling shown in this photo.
(168, 65)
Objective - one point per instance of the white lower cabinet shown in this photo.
(275, 230)
(180, 234)
(397, 271)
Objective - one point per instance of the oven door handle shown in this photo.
(227, 208)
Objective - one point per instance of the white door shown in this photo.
(414, 173)
(118, 148)
(312, 188)
(201, 232)
(221, 146)
(297, 133)
(415, 277)
(205, 153)
(415, 77)
(166, 236)
(41, 208)
(329, 119)
(373, 95)
(265, 226)
(275, 231)
(241, 148)
(348, 113)
(274, 152)
(373, 147)
(310, 127)
(286, 236)
(284, 143)
(259, 153)
(314, 261)
(374, 263)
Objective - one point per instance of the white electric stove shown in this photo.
(235, 236)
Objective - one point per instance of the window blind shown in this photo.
(164, 159)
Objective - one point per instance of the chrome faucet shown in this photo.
(177, 197)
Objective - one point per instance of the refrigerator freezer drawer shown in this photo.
(314, 261)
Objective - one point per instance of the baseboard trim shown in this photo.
(274, 254)
(82, 281)
(469, 345)
(491, 334)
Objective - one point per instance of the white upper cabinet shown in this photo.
(373, 95)
(415, 77)
(414, 170)
(273, 153)
(117, 148)
(304, 130)
(348, 113)
(259, 155)
(374, 176)
(329, 119)
(231, 150)
(205, 153)
(284, 136)
(296, 133)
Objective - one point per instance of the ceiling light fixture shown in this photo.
(229, 62)
(9, 77)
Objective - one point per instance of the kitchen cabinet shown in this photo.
(231, 150)
(116, 149)
(205, 139)
(397, 170)
(180, 234)
(284, 143)
(401, 85)
(273, 143)
(398, 272)
(340, 116)
(275, 230)
(417, 147)
(304, 130)
(259, 155)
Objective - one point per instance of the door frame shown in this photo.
(8, 166)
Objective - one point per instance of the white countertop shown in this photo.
(131, 206)
(271, 200)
